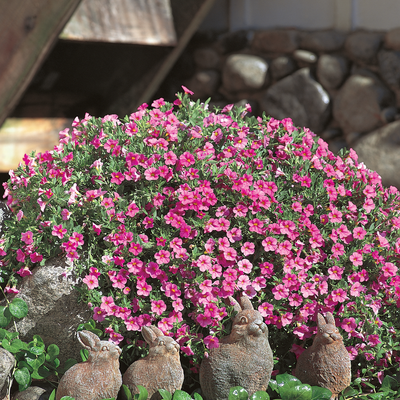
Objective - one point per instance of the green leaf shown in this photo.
(68, 364)
(23, 378)
(52, 352)
(238, 393)
(67, 398)
(287, 380)
(35, 363)
(53, 395)
(389, 383)
(3, 334)
(198, 397)
(165, 395)
(18, 308)
(273, 385)
(143, 393)
(84, 354)
(299, 392)
(350, 392)
(5, 317)
(260, 395)
(13, 347)
(319, 393)
(181, 395)
(127, 392)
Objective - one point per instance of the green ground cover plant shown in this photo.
(167, 212)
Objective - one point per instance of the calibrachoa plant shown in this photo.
(166, 213)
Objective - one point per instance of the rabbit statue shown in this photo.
(160, 369)
(326, 362)
(244, 358)
(97, 378)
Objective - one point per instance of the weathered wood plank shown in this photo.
(28, 31)
(19, 136)
(144, 90)
(147, 22)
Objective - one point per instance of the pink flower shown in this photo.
(335, 215)
(35, 257)
(203, 320)
(148, 222)
(162, 257)
(369, 205)
(143, 288)
(389, 269)
(265, 309)
(245, 266)
(152, 174)
(96, 228)
(247, 248)
(269, 243)
(27, 237)
(339, 295)
(59, 231)
(99, 315)
(373, 340)
(158, 307)
(211, 342)
(356, 258)
(65, 214)
(280, 292)
(335, 273)
(187, 159)
(91, 281)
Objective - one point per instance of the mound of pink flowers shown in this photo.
(171, 210)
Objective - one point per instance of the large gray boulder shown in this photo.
(332, 70)
(281, 66)
(322, 41)
(54, 311)
(7, 361)
(380, 151)
(5, 214)
(276, 41)
(363, 46)
(204, 83)
(389, 67)
(392, 39)
(300, 97)
(359, 103)
(244, 72)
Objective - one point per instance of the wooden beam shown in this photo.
(19, 136)
(128, 103)
(28, 31)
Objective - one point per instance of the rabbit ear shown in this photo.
(234, 303)
(148, 334)
(246, 303)
(330, 319)
(158, 332)
(89, 340)
(321, 320)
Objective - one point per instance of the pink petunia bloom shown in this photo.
(117, 177)
(247, 248)
(335, 273)
(211, 342)
(65, 214)
(339, 295)
(158, 307)
(35, 257)
(148, 222)
(349, 324)
(269, 243)
(359, 233)
(356, 258)
(27, 237)
(135, 248)
(162, 257)
(389, 269)
(204, 263)
(335, 216)
(152, 174)
(280, 292)
(99, 314)
(187, 159)
(369, 205)
(96, 228)
(245, 266)
(91, 281)
(143, 288)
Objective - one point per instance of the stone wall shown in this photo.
(344, 87)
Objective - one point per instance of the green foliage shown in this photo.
(32, 360)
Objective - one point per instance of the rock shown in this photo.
(389, 114)
(363, 46)
(5, 214)
(389, 67)
(380, 151)
(331, 70)
(304, 57)
(32, 393)
(337, 144)
(54, 312)
(7, 361)
(330, 133)
(299, 97)
(206, 58)
(322, 41)
(204, 83)
(232, 41)
(392, 39)
(281, 66)
(359, 103)
(244, 72)
(276, 40)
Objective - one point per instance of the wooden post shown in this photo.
(28, 31)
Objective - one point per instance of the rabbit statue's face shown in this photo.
(250, 322)
(105, 351)
(329, 334)
(164, 345)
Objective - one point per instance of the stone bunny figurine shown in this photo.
(244, 358)
(97, 378)
(326, 362)
(160, 369)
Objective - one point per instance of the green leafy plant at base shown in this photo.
(32, 360)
